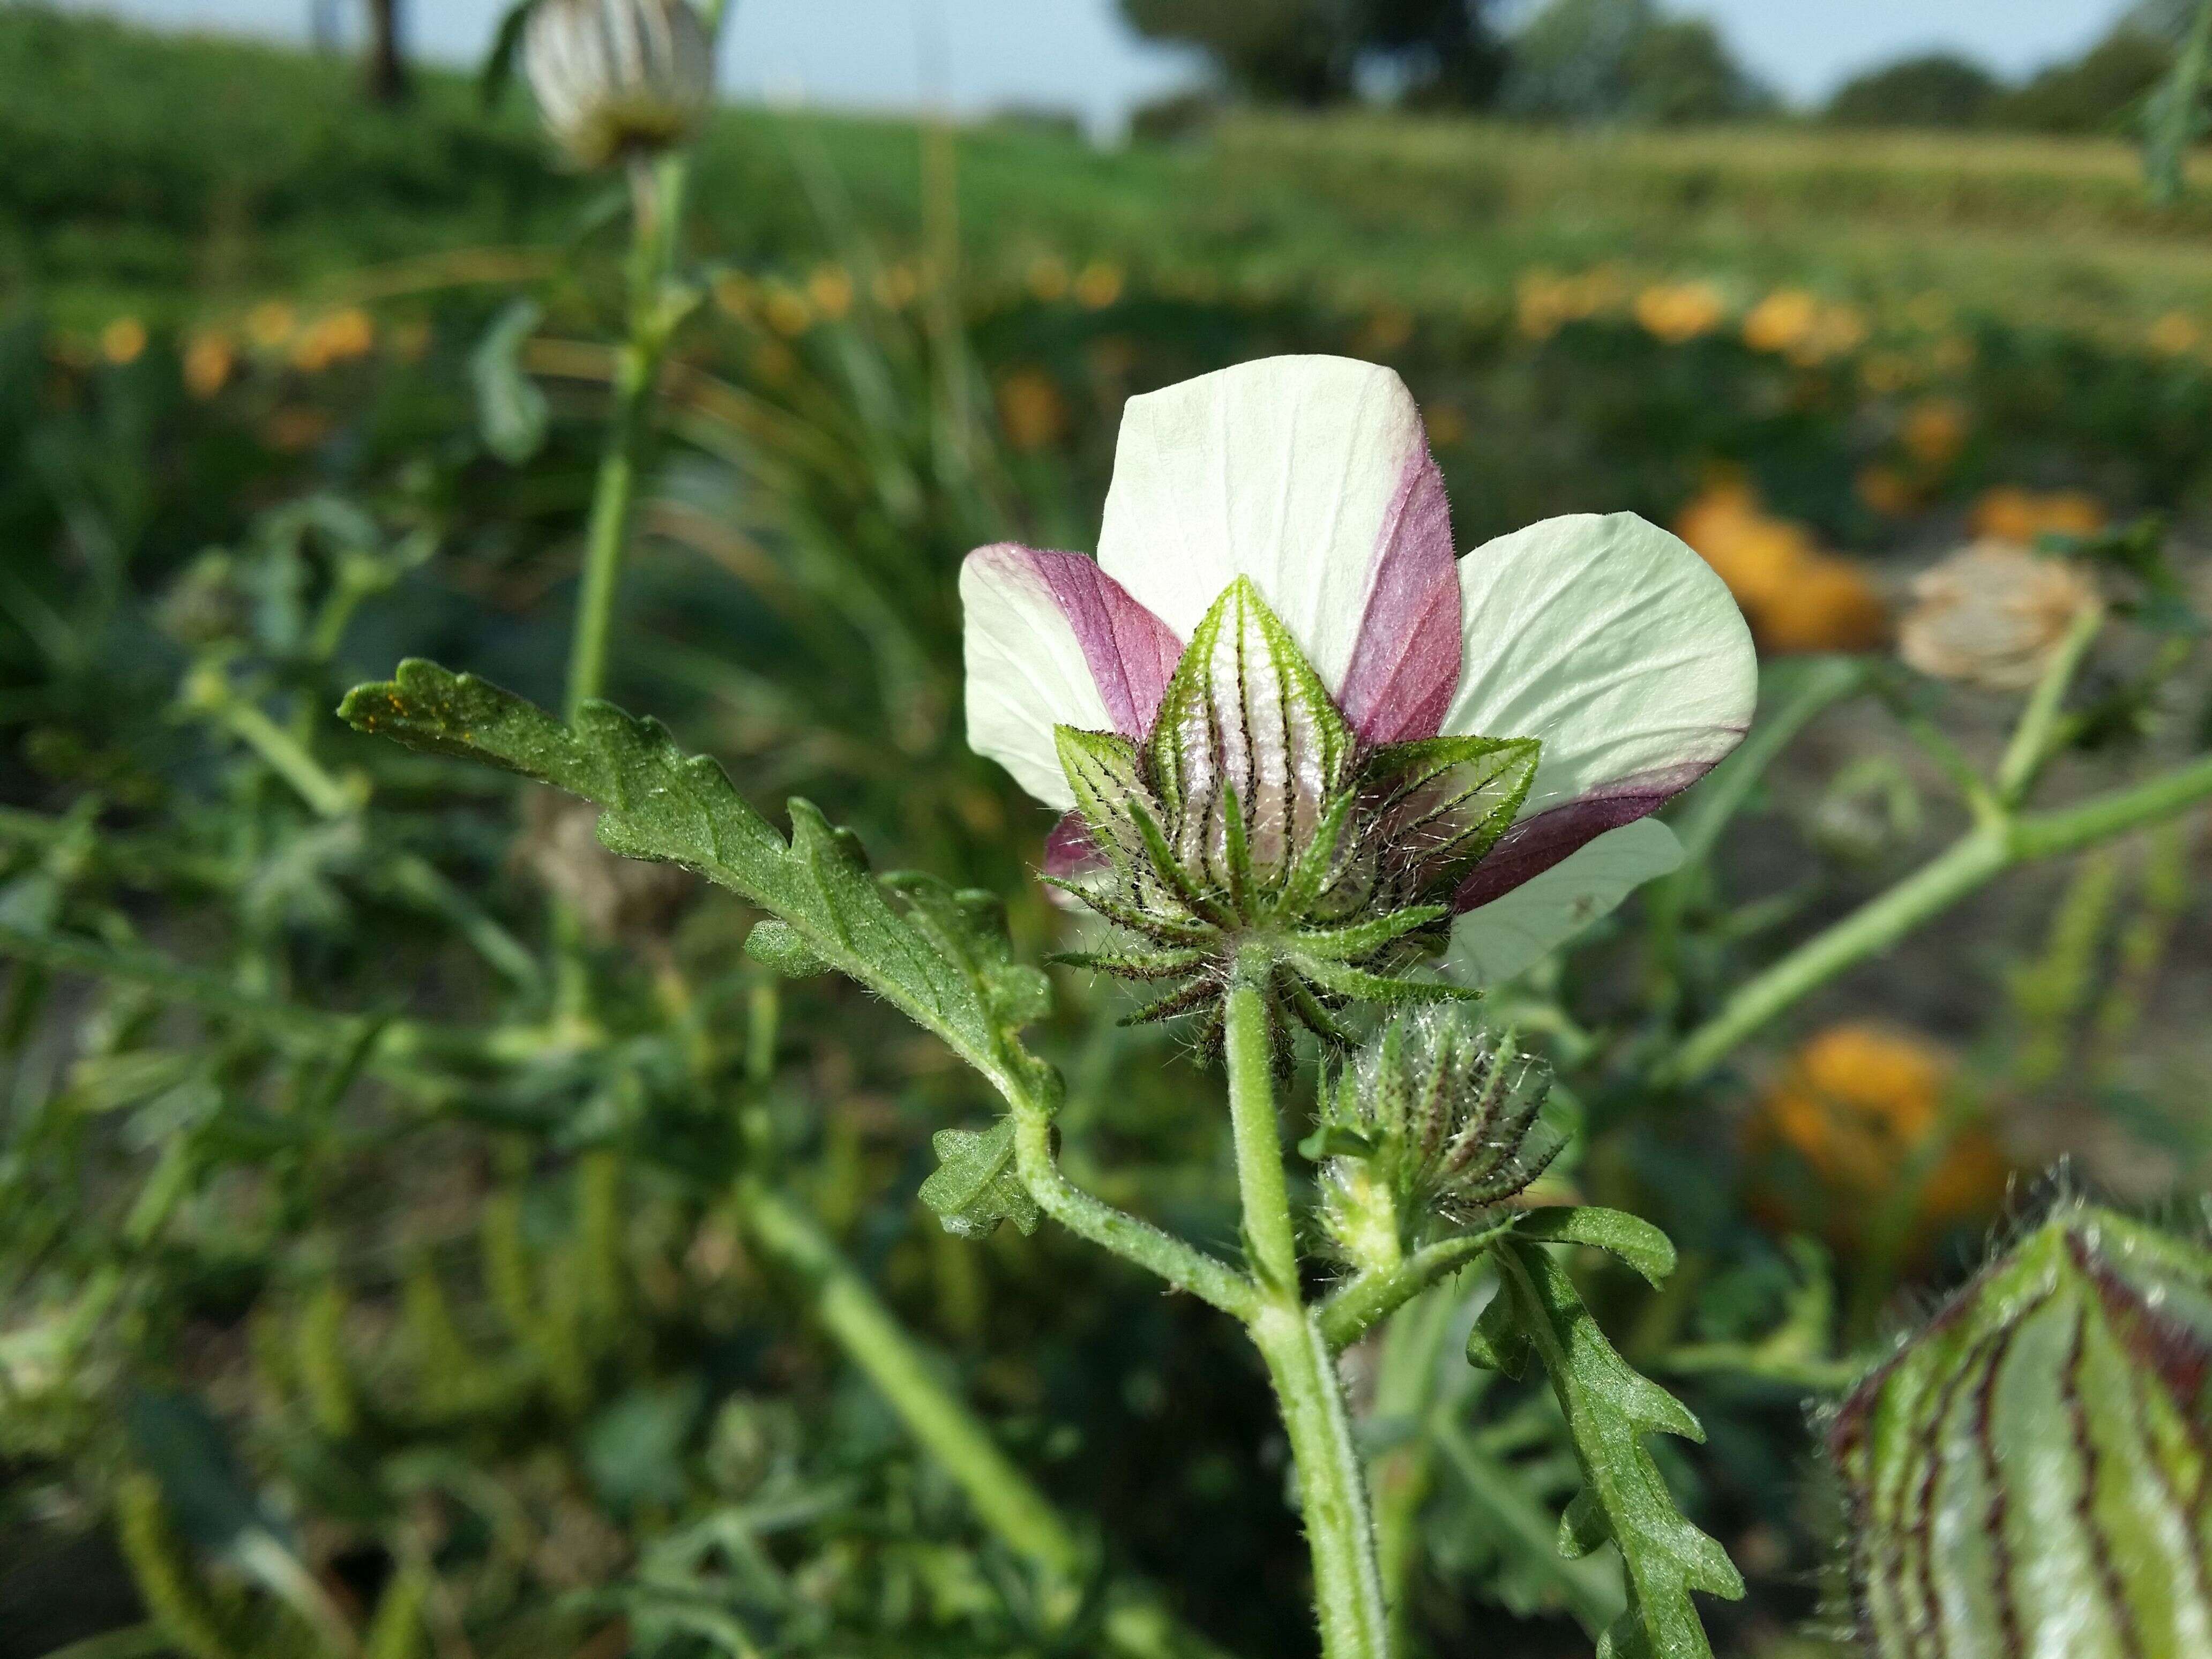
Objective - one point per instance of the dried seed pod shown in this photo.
(2029, 1473)
(1434, 1121)
(618, 79)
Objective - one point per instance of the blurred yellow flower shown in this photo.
(339, 338)
(1030, 409)
(1781, 321)
(1992, 615)
(1679, 312)
(294, 428)
(269, 324)
(1886, 490)
(1952, 353)
(1049, 279)
(1837, 332)
(788, 312)
(1795, 596)
(830, 290)
(1858, 1103)
(123, 341)
(1099, 286)
(2025, 516)
(1935, 431)
(1884, 373)
(208, 362)
(2176, 334)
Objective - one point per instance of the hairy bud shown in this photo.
(2029, 1473)
(1251, 825)
(1433, 1122)
(618, 79)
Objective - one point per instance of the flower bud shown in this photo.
(1434, 1121)
(2029, 1473)
(1992, 615)
(616, 80)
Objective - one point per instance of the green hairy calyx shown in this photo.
(2028, 1475)
(1251, 833)
(1432, 1125)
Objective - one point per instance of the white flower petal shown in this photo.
(1309, 475)
(1052, 642)
(1511, 933)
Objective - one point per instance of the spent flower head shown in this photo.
(1296, 738)
(1993, 615)
(616, 79)
(1433, 1124)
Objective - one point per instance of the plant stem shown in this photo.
(1248, 1038)
(1971, 862)
(2032, 738)
(1332, 1482)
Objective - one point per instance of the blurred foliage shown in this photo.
(361, 1284)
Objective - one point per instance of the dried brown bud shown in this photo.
(1993, 614)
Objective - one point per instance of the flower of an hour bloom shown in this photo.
(1278, 705)
(618, 79)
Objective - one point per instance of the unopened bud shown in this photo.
(619, 79)
(1432, 1124)
(2028, 1474)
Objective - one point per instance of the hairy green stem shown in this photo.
(1183, 1266)
(1365, 1301)
(1332, 1483)
(2035, 738)
(1973, 862)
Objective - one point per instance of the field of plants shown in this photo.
(423, 1232)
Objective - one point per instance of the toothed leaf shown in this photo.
(977, 1186)
(1610, 1408)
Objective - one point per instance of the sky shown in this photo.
(1076, 55)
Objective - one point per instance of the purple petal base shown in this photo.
(1070, 851)
(1535, 844)
(1407, 660)
(1130, 651)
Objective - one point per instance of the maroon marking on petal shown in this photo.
(1535, 844)
(1131, 652)
(1406, 663)
(1070, 851)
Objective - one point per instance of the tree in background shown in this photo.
(1314, 51)
(387, 56)
(2095, 93)
(1939, 89)
(1625, 61)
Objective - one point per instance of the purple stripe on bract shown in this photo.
(1406, 664)
(1070, 851)
(1534, 845)
(1131, 652)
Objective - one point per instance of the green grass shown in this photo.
(173, 176)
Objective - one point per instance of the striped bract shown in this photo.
(2028, 1476)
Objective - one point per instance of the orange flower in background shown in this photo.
(1781, 320)
(1049, 279)
(339, 338)
(1795, 596)
(123, 341)
(2175, 334)
(269, 324)
(788, 312)
(1858, 1105)
(2024, 517)
(1935, 431)
(1031, 409)
(1099, 286)
(1887, 491)
(209, 361)
(1679, 312)
(830, 290)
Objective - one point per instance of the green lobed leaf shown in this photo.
(1610, 1408)
(1629, 1238)
(939, 957)
(977, 1186)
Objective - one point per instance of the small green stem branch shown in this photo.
(1332, 1482)
(1985, 852)
(1187, 1268)
(2035, 738)
(1365, 1301)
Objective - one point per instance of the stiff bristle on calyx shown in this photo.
(1251, 830)
(1433, 1124)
